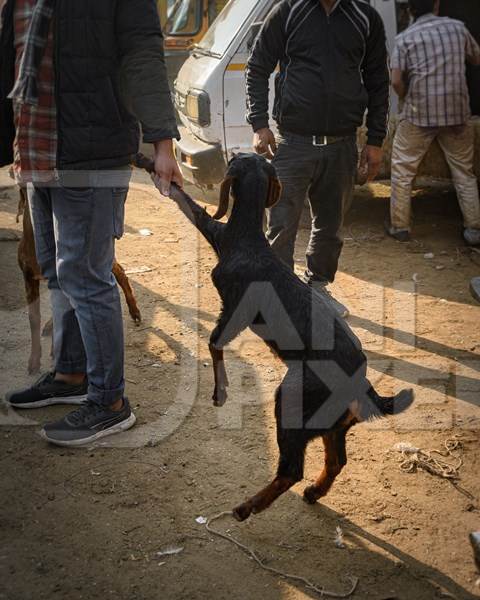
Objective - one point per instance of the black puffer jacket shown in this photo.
(110, 76)
(332, 68)
(7, 75)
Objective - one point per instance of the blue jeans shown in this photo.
(75, 231)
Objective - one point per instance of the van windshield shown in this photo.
(226, 26)
(184, 18)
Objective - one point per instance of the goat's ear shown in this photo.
(224, 198)
(274, 191)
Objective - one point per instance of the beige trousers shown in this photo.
(410, 146)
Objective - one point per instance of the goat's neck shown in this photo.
(248, 208)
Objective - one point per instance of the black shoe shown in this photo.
(401, 235)
(46, 391)
(471, 237)
(475, 541)
(88, 423)
(475, 288)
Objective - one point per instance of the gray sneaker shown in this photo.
(88, 423)
(471, 236)
(475, 288)
(47, 391)
(475, 541)
(401, 235)
(338, 307)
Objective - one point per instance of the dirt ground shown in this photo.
(89, 524)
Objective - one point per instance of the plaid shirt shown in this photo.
(35, 146)
(432, 53)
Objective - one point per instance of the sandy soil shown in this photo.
(89, 523)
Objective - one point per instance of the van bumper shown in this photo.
(201, 163)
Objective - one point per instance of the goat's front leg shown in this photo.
(228, 327)
(220, 375)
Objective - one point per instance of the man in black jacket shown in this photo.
(333, 67)
(87, 74)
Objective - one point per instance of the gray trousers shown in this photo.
(326, 176)
(75, 231)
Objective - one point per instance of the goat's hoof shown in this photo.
(136, 316)
(219, 396)
(310, 494)
(242, 512)
(33, 367)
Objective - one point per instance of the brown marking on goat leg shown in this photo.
(220, 375)
(27, 262)
(123, 281)
(264, 498)
(335, 460)
(32, 289)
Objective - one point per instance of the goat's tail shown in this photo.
(381, 406)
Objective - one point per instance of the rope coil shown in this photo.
(445, 464)
(432, 461)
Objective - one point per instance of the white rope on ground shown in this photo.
(434, 461)
(308, 584)
(414, 458)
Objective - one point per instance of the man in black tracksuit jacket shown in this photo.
(333, 67)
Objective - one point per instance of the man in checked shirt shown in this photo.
(428, 74)
(88, 75)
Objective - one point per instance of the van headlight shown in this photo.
(197, 107)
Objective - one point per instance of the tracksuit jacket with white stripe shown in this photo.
(332, 69)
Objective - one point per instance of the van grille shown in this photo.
(180, 101)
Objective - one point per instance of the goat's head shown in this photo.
(248, 165)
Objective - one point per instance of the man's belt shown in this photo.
(316, 140)
(326, 140)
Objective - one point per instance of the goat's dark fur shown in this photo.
(320, 351)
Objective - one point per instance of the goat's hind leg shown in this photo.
(264, 498)
(335, 459)
(292, 444)
(290, 472)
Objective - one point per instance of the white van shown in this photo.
(210, 88)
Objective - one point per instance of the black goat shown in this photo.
(325, 390)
